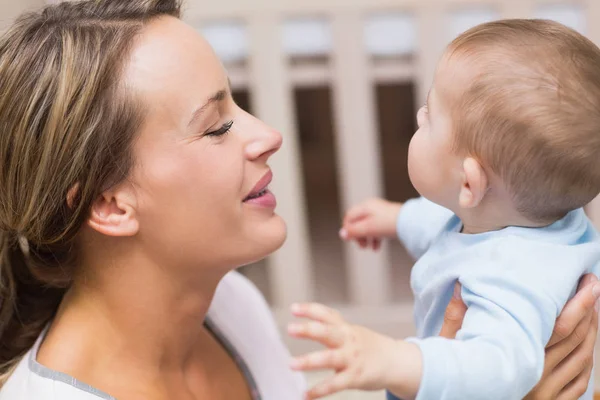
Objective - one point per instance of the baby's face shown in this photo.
(433, 167)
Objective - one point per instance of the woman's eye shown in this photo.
(223, 130)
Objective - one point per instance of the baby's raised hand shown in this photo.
(362, 359)
(370, 221)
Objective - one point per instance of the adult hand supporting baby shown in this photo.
(570, 351)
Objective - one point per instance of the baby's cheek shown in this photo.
(425, 170)
(418, 175)
(417, 155)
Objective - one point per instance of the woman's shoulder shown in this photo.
(242, 315)
(31, 381)
(236, 285)
(239, 305)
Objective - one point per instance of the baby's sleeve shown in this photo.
(418, 223)
(499, 352)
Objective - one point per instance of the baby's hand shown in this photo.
(361, 358)
(370, 222)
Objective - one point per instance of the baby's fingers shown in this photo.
(355, 213)
(336, 383)
(376, 244)
(317, 312)
(325, 359)
(327, 335)
(358, 230)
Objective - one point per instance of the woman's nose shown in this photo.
(265, 142)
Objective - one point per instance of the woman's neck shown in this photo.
(132, 316)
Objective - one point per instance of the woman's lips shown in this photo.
(261, 195)
(266, 199)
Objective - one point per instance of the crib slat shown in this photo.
(12, 9)
(359, 164)
(593, 16)
(593, 32)
(517, 9)
(432, 40)
(290, 267)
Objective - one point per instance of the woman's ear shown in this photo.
(114, 213)
(474, 185)
(72, 194)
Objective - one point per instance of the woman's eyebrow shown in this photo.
(219, 96)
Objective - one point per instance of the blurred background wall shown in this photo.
(10, 9)
(342, 80)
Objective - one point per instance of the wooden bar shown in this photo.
(310, 75)
(392, 71)
(238, 76)
(593, 32)
(197, 9)
(11, 9)
(518, 9)
(592, 7)
(271, 93)
(431, 42)
(357, 142)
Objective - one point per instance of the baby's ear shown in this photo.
(474, 184)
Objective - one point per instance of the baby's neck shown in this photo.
(493, 217)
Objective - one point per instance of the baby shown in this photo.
(506, 155)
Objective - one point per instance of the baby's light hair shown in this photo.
(530, 111)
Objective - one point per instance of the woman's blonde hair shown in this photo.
(67, 123)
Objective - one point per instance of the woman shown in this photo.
(131, 185)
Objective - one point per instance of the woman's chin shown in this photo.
(268, 240)
(274, 236)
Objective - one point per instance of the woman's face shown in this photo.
(201, 169)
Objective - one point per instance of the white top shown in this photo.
(239, 317)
